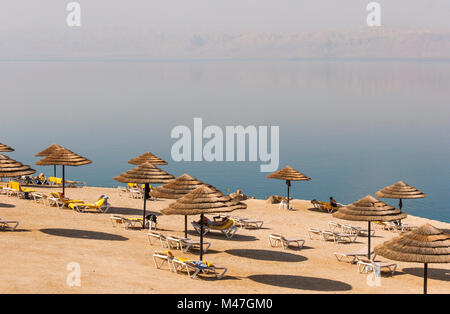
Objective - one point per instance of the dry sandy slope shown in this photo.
(115, 260)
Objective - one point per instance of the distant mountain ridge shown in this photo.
(376, 42)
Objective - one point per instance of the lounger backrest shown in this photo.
(100, 202)
(226, 225)
(14, 185)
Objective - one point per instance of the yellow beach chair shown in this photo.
(197, 267)
(17, 189)
(101, 205)
(228, 228)
(64, 200)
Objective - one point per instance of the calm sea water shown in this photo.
(353, 127)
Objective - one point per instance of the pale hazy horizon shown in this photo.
(200, 29)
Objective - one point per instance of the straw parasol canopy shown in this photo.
(5, 148)
(145, 173)
(178, 188)
(203, 200)
(63, 157)
(426, 244)
(49, 150)
(369, 209)
(289, 174)
(147, 157)
(400, 190)
(9, 168)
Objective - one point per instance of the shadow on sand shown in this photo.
(267, 255)
(219, 236)
(301, 282)
(130, 211)
(317, 210)
(433, 273)
(83, 234)
(7, 205)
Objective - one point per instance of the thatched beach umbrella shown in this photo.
(178, 188)
(147, 157)
(63, 157)
(369, 209)
(426, 244)
(48, 151)
(400, 190)
(9, 168)
(203, 200)
(145, 173)
(6, 148)
(289, 174)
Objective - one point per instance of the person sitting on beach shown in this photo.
(218, 222)
(205, 221)
(333, 202)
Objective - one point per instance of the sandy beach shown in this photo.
(116, 260)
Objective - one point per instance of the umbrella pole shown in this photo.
(185, 226)
(425, 275)
(368, 246)
(63, 180)
(54, 170)
(400, 204)
(288, 183)
(146, 188)
(201, 236)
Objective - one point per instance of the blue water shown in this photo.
(353, 127)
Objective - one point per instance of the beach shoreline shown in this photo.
(116, 260)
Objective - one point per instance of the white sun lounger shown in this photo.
(247, 223)
(190, 266)
(352, 257)
(128, 222)
(163, 257)
(228, 231)
(158, 237)
(185, 244)
(9, 224)
(336, 236)
(278, 239)
(365, 266)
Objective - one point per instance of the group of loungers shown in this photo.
(133, 190)
(176, 242)
(58, 200)
(42, 180)
(54, 198)
(190, 267)
(365, 264)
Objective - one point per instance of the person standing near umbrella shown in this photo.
(145, 173)
(150, 158)
(289, 174)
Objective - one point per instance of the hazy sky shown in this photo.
(224, 15)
